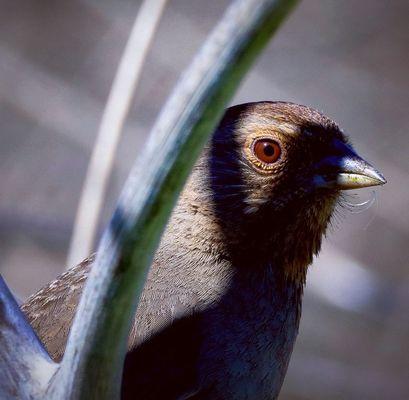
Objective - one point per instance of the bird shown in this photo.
(220, 310)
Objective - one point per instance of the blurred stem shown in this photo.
(112, 123)
(25, 367)
(92, 364)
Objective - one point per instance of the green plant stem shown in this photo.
(92, 365)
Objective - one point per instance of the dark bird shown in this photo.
(220, 310)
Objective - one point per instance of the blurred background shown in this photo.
(347, 58)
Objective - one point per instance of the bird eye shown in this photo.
(266, 150)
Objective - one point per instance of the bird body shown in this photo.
(220, 310)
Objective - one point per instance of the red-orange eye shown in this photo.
(266, 150)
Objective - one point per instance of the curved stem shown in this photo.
(25, 366)
(112, 123)
(92, 365)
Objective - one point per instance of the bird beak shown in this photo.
(346, 170)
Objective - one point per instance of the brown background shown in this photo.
(347, 58)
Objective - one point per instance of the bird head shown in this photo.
(276, 172)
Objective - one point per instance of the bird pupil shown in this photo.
(269, 150)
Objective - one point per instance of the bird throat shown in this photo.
(286, 239)
(297, 237)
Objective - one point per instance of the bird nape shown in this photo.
(220, 310)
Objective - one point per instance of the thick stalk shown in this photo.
(92, 365)
(25, 367)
